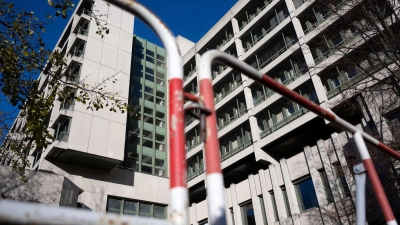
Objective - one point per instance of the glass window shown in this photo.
(160, 57)
(150, 53)
(248, 214)
(130, 207)
(149, 71)
(145, 209)
(114, 205)
(159, 211)
(306, 196)
(149, 59)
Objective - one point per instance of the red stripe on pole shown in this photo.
(177, 153)
(389, 151)
(287, 93)
(213, 161)
(191, 97)
(378, 189)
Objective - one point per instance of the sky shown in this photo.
(188, 18)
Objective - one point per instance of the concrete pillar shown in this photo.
(235, 26)
(237, 213)
(319, 89)
(239, 48)
(197, 59)
(291, 193)
(227, 210)
(280, 204)
(266, 186)
(193, 214)
(332, 178)
(316, 178)
(258, 214)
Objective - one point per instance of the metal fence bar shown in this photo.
(375, 182)
(179, 200)
(216, 56)
(212, 148)
(12, 212)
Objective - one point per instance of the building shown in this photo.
(98, 151)
(281, 163)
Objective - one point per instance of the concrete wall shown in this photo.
(45, 188)
(286, 174)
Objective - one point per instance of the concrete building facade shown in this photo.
(281, 163)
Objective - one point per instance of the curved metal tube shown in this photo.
(179, 203)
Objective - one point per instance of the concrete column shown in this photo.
(280, 204)
(319, 89)
(332, 178)
(193, 214)
(235, 25)
(239, 48)
(197, 59)
(265, 179)
(227, 210)
(338, 141)
(236, 208)
(316, 178)
(291, 193)
(258, 214)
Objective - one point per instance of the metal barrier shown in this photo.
(23, 213)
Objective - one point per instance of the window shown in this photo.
(131, 207)
(325, 183)
(306, 196)
(248, 214)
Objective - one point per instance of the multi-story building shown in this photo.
(281, 163)
(117, 161)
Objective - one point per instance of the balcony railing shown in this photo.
(224, 41)
(239, 148)
(82, 31)
(253, 14)
(195, 173)
(87, 12)
(62, 136)
(289, 80)
(186, 76)
(332, 49)
(274, 56)
(222, 96)
(78, 53)
(299, 3)
(231, 119)
(218, 71)
(263, 34)
(73, 77)
(67, 105)
(320, 19)
(195, 144)
(283, 122)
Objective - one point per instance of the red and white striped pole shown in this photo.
(214, 179)
(373, 177)
(214, 55)
(179, 203)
